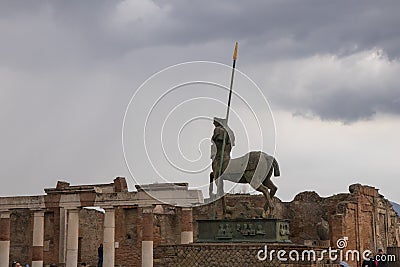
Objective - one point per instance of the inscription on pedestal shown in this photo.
(244, 230)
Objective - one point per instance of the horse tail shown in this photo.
(276, 168)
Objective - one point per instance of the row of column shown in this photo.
(72, 236)
(37, 240)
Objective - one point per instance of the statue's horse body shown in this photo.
(254, 168)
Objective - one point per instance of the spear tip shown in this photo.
(236, 51)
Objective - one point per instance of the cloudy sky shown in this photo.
(329, 71)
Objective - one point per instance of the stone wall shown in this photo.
(90, 235)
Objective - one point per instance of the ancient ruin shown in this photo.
(138, 230)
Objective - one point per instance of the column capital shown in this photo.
(187, 208)
(73, 210)
(5, 214)
(38, 213)
(148, 209)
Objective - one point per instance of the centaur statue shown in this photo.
(254, 168)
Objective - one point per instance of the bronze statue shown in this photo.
(221, 128)
(254, 168)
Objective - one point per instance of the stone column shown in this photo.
(37, 240)
(186, 226)
(147, 237)
(4, 238)
(109, 238)
(72, 238)
(63, 236)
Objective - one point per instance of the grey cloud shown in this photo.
(309, 26)
(81, 31)
(337, 88)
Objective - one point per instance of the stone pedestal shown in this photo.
(244, 230)
(109, 238)
(37, 240)
(4, 238)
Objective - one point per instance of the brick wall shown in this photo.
(229, 255)
(167, 227)
(128, 234)
(51, 236)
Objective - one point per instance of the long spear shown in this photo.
(220, 191)
(231, 85)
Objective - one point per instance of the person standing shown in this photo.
(369, 262)
(381, 258)
(100, 255)
(16, 264)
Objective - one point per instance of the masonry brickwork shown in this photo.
(229, 255)
(128, 223)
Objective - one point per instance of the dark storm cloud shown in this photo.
(353, 106)
(349, 106)
(82, 35)
(266, 29)
(69, 67)
(345, 88)
(289, 27)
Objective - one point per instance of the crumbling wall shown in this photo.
(90, 235)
